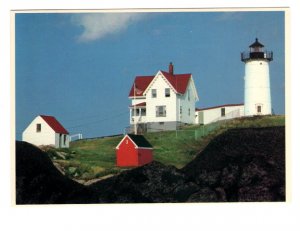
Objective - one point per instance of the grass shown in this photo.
(89, 159)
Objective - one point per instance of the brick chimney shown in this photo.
(171, 68)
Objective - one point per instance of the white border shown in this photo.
(235, 216)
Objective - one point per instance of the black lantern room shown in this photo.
(256, 52)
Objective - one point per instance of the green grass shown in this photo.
(88, 159)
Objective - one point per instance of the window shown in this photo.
(180, 110)
(153, 91)
(135, 112)
(189, 95)
(161, 111)
(167, 92)
(259, 109)
(38, 127)
(223, 111)
(189, 112)
(143, 111)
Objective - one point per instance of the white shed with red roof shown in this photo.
(46, 130)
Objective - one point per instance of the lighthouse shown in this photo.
(257, 93)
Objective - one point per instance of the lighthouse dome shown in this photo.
(256, 52)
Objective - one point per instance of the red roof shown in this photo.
(54, 124)
(178, 81)
(140, 83)
(224, 105)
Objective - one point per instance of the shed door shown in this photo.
(201, 117)
(59, 140)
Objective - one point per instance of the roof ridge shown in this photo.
(175, 74)
(54, 124)
(140, 141)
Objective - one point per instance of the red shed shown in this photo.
(134, 150)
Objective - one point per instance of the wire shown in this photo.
(99, 121)
(89, 117)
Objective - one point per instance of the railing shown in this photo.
(197, 132)
(247, 55)
(79, 137)
(138, 118)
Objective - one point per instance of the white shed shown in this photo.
(222, 112)
(46, 130)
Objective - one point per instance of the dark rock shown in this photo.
(204, 195)
(255, 194)
(252, 173)
(221, 194)
(230, 176)
(39, 182)
(247, 159)
(208, 178)
(184, 191)
(153, 182)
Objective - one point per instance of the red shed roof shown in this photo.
(178, 81)
(139, 141)
(54, 124)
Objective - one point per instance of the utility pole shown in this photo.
(134, 108)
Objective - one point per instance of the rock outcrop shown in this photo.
(39, 182)
(239, 165)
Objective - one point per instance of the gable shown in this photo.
(159, 81)
(192, 84)
(178, 82)
(139, 141)
(38, 121)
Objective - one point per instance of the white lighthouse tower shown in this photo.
(257, 98)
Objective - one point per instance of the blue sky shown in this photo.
(80, 67)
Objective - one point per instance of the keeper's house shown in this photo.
(46, 130)
(164, 101)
